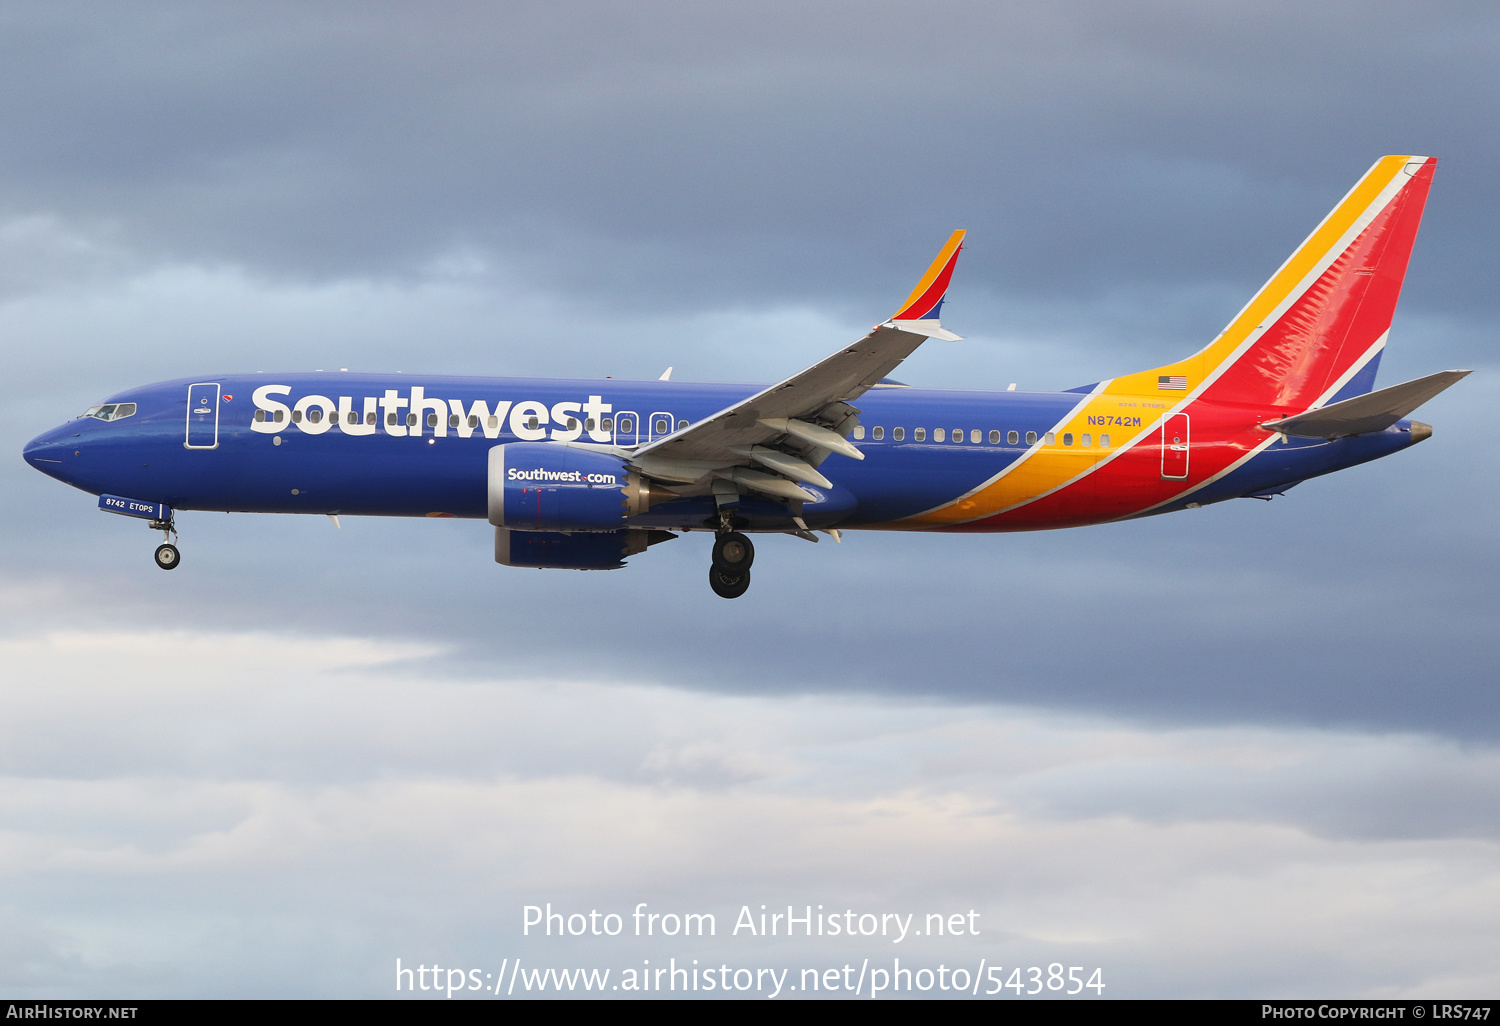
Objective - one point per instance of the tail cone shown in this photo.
(1420, 431)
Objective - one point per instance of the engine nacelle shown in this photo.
(555, 551)
(543, 486)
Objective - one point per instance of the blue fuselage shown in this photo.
(352, 444)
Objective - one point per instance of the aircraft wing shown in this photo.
(1373, 411)
(792, 426)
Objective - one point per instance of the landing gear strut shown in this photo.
(729, 576)
(167, 556)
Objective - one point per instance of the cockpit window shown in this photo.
(110, 411)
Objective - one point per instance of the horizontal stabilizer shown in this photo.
(1374, 411)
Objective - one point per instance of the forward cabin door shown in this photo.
(203, 416)
(1174, 447)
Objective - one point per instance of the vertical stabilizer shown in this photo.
(1314, 332)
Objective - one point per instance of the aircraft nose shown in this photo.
(45, 452)
(35, 452)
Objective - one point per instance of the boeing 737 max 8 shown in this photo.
(581, 473)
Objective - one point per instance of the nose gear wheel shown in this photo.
(166, 555)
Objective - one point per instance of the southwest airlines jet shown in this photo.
(581, 473)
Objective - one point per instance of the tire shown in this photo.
(733, 553)
(728, 585)
(167, 557)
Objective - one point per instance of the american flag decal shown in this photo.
(1176, 382)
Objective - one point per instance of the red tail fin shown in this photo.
(1322, 318)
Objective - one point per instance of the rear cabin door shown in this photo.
(203, 416)
(1175, 447)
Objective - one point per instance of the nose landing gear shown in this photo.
(729, 576)
(167, 556)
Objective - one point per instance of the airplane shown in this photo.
(582, 473)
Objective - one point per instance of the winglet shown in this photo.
(919, 314)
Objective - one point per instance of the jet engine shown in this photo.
(544, 486)
(555, 551)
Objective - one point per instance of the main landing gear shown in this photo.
(729, 576)
(167, 556)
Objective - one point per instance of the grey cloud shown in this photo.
(680, 155)
(1421, 790)
(260, 815)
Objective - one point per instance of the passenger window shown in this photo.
(681, 424)
(588, 425)
(937, 434)
(1014, 437)
(411, 420)
(493, 421)
(958, 434)
(994, 438)
(432, 420)
(608, 423)
(662, 426)
(898, 433)
(859, 432)
(280, 416)
(260, 416)
(1104, 441)
(877, 433)
(1050, 438)
(627, 425)
(390, 420)
(1086, 441)
(452, 420)
(474, 420)
(296, 416)
(974, 436)
(1067, 438)
(370, 418)
(572, 423)
(315, 415)
(920, 434)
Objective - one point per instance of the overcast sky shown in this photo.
(1248, 750)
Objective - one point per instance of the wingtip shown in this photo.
(927, 297)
